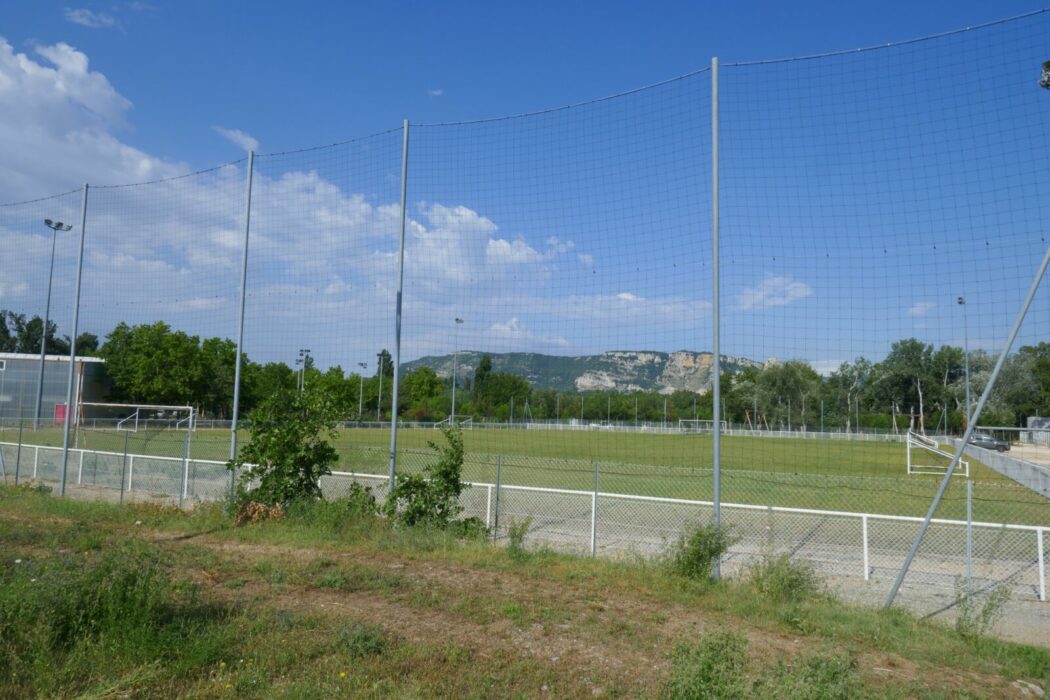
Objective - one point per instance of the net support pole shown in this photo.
(73, 343)
(716, 347)
(397, 313)
(974, 417)
(969, 549)
(235, 413)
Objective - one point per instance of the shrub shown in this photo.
(976, 618)
(711, 668)
(287, 453)
(784, 580)
(697, 549)
(516, 532)
(432, 497)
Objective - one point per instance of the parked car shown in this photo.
(988, 442)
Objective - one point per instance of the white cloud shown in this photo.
(436, 92)
(515, 330)
(627, 296)
(87, 18)
(57, 110)
(921, 308)
(501, 252)
(772, 291)
(587, 260)
(238, 138)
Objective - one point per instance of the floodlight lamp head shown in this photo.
(48, 222)
(961, 301)
(1044, 79)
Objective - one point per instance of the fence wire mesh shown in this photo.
(882, 213)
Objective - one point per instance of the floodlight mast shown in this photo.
(55, 227)
(455, 356)
(361, 391)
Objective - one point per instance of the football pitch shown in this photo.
(846, 475)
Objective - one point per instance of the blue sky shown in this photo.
(861, 194)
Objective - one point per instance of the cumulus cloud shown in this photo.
(57, 110)
(920, 308)
(436, 92)
(586, 260)
(238, 138)
(87, 18)
(772, 291)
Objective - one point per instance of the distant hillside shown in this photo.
(622, 370)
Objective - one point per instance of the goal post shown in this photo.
(464, 422)
(925, 456)
(691, 425)
(133, 417)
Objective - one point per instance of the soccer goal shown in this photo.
(925, 456)
(464, 422)
(132, 417)
(689, 425)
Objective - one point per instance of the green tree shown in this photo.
(153, 364)
(431, 497)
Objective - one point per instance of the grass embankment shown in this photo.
(98, 600)
(822, 474)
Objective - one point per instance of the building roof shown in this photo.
(49, 358)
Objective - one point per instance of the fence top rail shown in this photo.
(635, 497)
(740, 506)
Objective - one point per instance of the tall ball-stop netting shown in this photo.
(881, 216)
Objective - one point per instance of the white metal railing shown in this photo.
(864, 520)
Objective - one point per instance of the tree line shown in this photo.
(916, 385)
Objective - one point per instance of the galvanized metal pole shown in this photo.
(18, 454)
(43, 335)
(73, 342)
(966, 355)
(716, 369)
(969, 549)
(397, 322)
(240, 319)
(970, 425)
(594, 513)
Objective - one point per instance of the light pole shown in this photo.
(361, 392)
(379, 402)
(455, 356)
(304, 355)
(966, 357)
(55, 227)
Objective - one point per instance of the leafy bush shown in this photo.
(697, 549)
(784, 580)
(711, 668)
(287, 453)
(432, 497)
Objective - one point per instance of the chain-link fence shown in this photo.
(758, 292)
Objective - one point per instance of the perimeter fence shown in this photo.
(819, 247)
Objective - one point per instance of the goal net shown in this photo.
(925, 456)
(136, 417)
(687, 425)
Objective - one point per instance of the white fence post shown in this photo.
(36, 458)
(864, 533)
(80, 469)
(131, 470)
(1042, 565)
(594, 513)
(488, 505)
